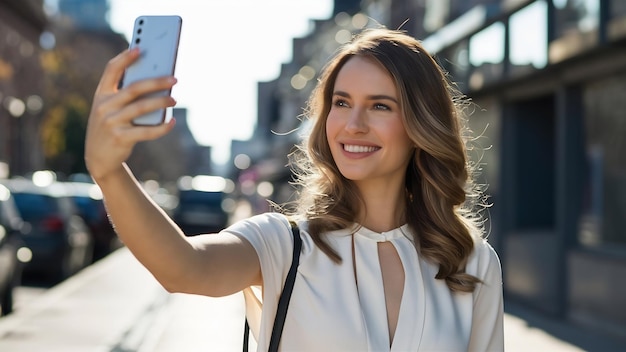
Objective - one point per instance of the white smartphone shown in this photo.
(157, 37)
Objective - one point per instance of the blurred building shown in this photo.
(86, 14)
(22, 23)
(547, 78)
(548, 83)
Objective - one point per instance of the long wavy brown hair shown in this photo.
(439, 186)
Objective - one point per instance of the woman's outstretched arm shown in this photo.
(214, 265)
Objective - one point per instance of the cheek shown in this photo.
(332, 126)
(402, 139)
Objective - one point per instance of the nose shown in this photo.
(357, 121)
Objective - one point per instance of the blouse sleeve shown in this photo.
(270, 235)
(488, 313)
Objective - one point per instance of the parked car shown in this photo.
(13, 252)
(59, 238)
(90, 204)
(200, 206)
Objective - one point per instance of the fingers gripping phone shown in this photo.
(157, 37)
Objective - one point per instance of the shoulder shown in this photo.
(269, 233)
(263, 223)
(484, 260)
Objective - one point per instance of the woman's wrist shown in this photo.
(108, 177)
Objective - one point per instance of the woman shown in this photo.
(392, 256)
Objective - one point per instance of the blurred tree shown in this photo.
(72, 70)
(63, 135)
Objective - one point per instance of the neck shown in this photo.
(385, 207)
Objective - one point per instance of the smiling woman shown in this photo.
(384, 212)
(213, 70)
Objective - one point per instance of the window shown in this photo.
(617, 19)
(576, 16)
(486, 55)
(575, 27)
(528, 38)
(604, 204)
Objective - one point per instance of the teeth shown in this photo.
(358, 148)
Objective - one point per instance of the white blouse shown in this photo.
(331, 311)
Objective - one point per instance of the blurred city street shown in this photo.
(541, 88)
(116, 305)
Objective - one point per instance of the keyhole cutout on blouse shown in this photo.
(393, 282)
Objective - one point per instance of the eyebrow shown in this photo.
(370, 97)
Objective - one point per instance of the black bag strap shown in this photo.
(285, 296)
(246, 336)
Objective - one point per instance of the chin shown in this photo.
(352, 175)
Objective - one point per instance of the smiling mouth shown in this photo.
(359, 148)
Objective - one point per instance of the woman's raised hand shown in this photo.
(111, 135)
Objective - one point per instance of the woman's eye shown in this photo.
(340, 102)
(379, 106)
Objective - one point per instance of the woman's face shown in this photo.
(365, 132)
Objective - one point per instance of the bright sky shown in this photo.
(226, 48)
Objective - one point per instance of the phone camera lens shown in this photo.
(139, 31)
(140, 21)
(137, 41)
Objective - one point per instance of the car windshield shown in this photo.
(210, 200)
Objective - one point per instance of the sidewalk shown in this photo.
(117, 306)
